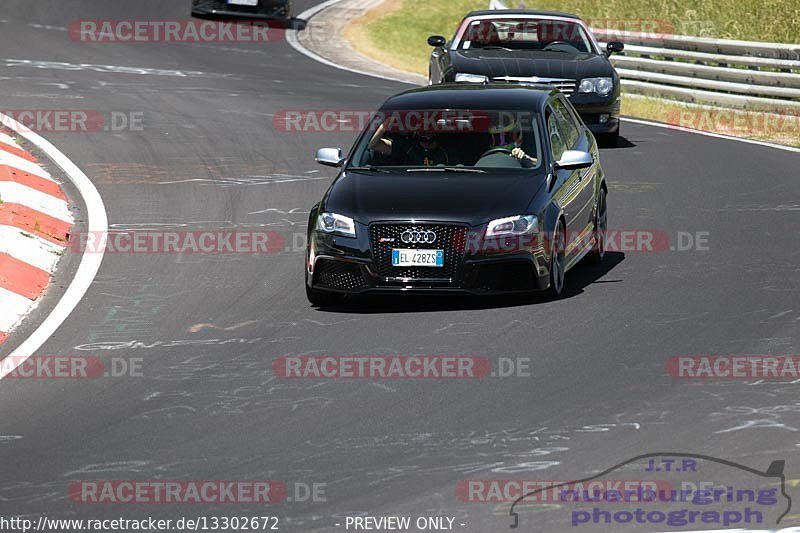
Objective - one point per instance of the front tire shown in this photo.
(319, 298)
(609, 140)
(598, 252)
(557, 262)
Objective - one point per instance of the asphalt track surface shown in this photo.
(209, 157)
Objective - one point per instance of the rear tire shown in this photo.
(557, 262)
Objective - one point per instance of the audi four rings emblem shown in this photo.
(414, 236)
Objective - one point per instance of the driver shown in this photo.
(505, 150)
(426, 151)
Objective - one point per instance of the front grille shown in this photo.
(338, 275)
(566, 86)
(449, 237)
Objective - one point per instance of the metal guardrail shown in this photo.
(721, 72)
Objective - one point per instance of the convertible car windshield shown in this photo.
(526, 34)
(451, 139)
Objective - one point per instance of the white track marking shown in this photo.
(291, 38)
(709, 134)
(111, 69)
(15, 307)
(17, 193)
(29, 248)
(16, 161)
(90, 263)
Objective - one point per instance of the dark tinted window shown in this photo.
(526, 34)
(456, 137)
(565, 124)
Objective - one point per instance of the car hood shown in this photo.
(472, 199)
(526, 63)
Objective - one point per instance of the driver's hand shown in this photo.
(519, 153)
(383, 146)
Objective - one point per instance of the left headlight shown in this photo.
(471, 78)
(601, 86)
(333, 223)
(518, 225)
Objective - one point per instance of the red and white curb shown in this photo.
(35, 222)
(50, 227)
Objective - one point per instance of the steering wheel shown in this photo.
(496, 150)
(557, 43)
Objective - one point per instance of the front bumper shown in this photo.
(593, 108)
(281, 9)
(472, 265)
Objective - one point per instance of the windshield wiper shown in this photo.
(368, 168)
(448, 169)
(494, 48)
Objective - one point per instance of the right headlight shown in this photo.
(333, 223)
(601, 86)
(471, 78)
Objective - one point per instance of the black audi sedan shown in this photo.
(523, 46)
(459, 188)
(271, 9)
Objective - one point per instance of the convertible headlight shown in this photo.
(471, 78)
(518, 225)
(333, 223)
(601, 86)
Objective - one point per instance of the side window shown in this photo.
(566, 126)
(556, 140)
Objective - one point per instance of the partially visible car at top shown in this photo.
(460, 188)
(523, 46)
(270, 9)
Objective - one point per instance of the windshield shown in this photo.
(455, 139)
(526, 34)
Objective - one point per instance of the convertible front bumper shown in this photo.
(601, 115)
(281, 9)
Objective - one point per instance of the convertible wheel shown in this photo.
(557, 262)
(608, 140)
(600, 228)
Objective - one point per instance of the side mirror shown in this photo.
(437, 41)
(615, 47)
(574, 160)
(330, 157)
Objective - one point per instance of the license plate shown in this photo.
(406, 258)
(243, 2)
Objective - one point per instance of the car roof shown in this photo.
(498, 96)
(502, 13)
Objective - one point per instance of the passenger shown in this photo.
(426, 151)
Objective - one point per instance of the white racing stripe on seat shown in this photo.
(29, 248)
(16, 193)
(5, 139)
(16, 161)
(14, 307)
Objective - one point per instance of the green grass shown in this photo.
(402, 33)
